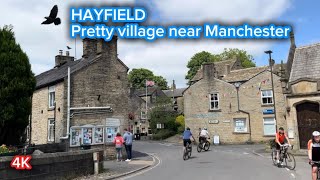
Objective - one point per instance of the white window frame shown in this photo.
(235, 129)
(51, 125)
(269, 123)
(210, 101)
(143, 116)
(51, 101)
(160, 126)
(271, 96)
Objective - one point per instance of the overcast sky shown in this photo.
(165, 57)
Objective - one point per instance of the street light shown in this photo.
(271, 63)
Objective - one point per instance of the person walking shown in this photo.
(118, 141)
(128, 138)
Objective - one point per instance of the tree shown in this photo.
(202, 57)
(138, 77)
(17, 84)
(163, 113)
(245, 58)
(197, 60)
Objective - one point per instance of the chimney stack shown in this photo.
(208, 71)
(89, 47)
(228, 69)
(61, 59)
(174, 85)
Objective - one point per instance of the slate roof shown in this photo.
(246, 74)
(306, 63)
(176, 93)
(142, 92)
(57, 74)
(220, 68)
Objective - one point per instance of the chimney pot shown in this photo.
(67, 53)
(60, 52)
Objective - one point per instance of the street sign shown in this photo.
(268, 111)
(213, 121)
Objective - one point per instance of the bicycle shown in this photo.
(284, 156)
(203, 146)
(317, 163)
(187, 151)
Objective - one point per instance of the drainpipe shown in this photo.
(68, 108)
(237, 85)
(249, 123)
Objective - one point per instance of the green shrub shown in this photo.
(180, 129)
(5, 149)
(163, 134)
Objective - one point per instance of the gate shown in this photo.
(308, 117)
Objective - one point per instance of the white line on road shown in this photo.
(148, 169)
(293, 175)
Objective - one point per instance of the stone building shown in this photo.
(89, 105)
(140, 107)
(301, 86)
(235, 104)
(176, 94)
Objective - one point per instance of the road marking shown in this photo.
(293, 175)
(146, 170)
(245, 153)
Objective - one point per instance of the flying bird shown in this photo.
(52, 17)
(69, 47)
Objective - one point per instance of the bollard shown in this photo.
(96, 162)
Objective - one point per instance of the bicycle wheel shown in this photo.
(274, 156)
(190, 151)
(185, 154)
(290, 161)
(199, 147)
(207, 146)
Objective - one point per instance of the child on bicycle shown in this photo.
(187, 137)
(314, 153)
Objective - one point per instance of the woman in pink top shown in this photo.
(118, 141)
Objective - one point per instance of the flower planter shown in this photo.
(9, 154)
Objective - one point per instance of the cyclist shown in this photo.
(187, 137)
(204, 134)
(314, 152)
(280, 141)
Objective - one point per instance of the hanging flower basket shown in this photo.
(131, 116)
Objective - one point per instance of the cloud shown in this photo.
(165, 57)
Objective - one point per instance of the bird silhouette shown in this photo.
(69, 47)
(52, 17)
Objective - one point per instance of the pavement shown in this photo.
(117, 170)
(163, 160)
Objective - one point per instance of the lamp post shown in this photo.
(271, 63)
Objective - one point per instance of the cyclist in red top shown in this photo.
(281, 137)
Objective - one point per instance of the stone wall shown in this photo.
(41, 113)
(64, 165)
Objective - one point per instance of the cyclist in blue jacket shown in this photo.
(187, 137)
